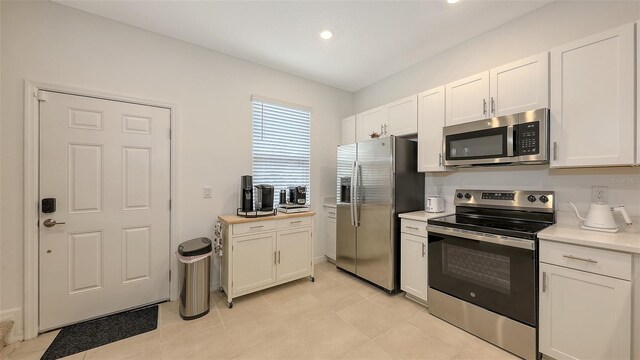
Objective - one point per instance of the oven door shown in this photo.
(488, 141)
(499, 275)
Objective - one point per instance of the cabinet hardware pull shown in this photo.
(439, 159)
(484, 106)
(581, 259)
(275, 257)
(544, 281)
(296, 222)
(257, 227)
(331, 213)
(412, 228)
(424, 249)
(493, 106)
(385, 129)
(381, 131)
(555, 150)
(278, 256)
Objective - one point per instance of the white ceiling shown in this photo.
(373, 39)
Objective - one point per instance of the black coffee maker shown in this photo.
(264, 197)
(246, 193)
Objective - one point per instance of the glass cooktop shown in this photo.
(493, 225)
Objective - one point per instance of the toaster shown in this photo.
(298, 195)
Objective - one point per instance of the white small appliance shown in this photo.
(600, 217)
(434, 204)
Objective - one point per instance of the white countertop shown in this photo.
(626, 241)
(331, 205)
(422, 215)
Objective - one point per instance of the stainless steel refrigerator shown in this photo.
(377, 180)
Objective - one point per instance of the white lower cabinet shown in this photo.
(330, 228)
(583, 315)
(413, 260)
(265, 253)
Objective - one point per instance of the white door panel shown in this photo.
(467, 99)
(431, 118)
(107, 164)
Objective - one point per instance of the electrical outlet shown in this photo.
(206, 192)
(600, 194)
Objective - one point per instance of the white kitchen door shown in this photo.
(106, 247)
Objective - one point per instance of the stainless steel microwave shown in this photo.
(515, 139)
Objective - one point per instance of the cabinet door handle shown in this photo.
(544, 281)
(381, 131)
(278, 256)
(296, 222)
(581, 259)
(385, 129)
(412, 228)
(331, 213)
(424, 249)
(555, 150)
(484, 106)
(257, 227)
(439, 159)
(493, 106)
(275, 257)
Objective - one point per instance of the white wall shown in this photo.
(51, 43)
(549, 26)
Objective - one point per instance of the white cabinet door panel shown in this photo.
(330, 233)
(520, 86)
(584, 315)
(431, 118)
(413, 265)
(348, 130)
(294, 253)
(467, 99)
(371, 121)
(592, 100)
(254, 261)
(402, 118)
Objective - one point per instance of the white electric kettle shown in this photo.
(600, 217)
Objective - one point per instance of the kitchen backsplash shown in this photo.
(569, 184)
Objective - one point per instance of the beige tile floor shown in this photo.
(336, 317)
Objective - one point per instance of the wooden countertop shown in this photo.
(234, 219)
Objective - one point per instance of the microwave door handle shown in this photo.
(510, 136)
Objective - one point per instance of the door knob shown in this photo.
(51, 223)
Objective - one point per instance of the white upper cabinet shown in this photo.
(371, 121)
(397, 118)
(592, 100)
(348, 132)
(402, 117)
(520, 86)
(468, 99)
(431, 118)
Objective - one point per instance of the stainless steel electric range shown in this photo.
(483, 265)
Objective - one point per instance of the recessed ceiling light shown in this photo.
(326, 34)
(453, 1)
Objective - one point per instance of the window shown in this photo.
(281, 146)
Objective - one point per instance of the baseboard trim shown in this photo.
(319, 259)
(17, 333)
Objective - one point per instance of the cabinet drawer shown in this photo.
(413, 227)
(330, 212)
(252, 227)
(294, 222)
(604, 262)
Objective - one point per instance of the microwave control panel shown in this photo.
(529, 138)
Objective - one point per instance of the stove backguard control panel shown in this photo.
(540, 200)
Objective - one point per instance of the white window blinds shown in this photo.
(281, 146)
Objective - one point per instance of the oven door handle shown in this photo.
(473, 235)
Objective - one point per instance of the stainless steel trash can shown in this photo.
(194, 258)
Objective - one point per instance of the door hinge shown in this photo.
(169, 133)
(42, 95)
(169, 204)
(169, 275)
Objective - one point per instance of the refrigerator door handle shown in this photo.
(351, 194)
(356, 191)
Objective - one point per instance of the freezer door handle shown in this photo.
(352, 191)
(354, 200)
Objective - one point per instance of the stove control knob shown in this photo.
(467, 196)
(531, 198)
(459, 195)
(544, 199)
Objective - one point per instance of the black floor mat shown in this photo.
(91, 334)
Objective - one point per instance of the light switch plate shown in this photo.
(206, 192)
